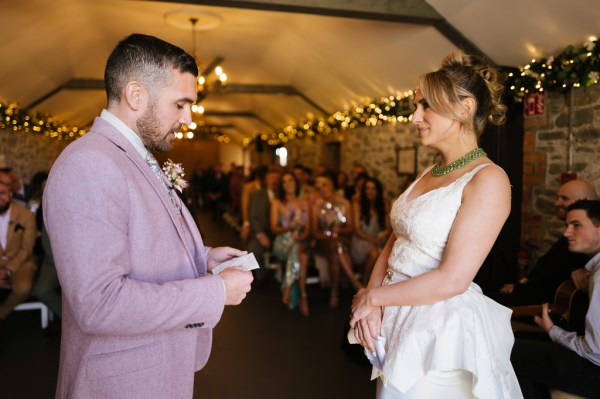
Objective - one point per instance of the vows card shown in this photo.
(246, 262)
(376, 358)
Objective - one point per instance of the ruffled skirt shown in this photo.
(468, 332)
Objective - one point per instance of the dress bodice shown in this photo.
(422, 225)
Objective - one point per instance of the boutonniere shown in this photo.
(175, 173)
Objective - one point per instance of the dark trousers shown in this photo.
(543, 365)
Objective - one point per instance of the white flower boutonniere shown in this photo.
(175, 173)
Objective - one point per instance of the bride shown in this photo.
(442, 337)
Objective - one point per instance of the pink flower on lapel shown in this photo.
(175, 174)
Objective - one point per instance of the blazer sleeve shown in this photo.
(87, 213)
(25, 221)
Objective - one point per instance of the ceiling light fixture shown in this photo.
(211, 77)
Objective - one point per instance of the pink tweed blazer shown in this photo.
(138, 305)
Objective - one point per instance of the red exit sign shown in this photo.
(535, 104)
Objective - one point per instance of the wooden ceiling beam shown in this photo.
(241, 88)
(240, 114)
(73, 84)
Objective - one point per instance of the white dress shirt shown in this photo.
(126, 131)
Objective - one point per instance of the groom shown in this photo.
(139, 302)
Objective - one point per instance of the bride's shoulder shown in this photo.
(490, 179)
(490, 171)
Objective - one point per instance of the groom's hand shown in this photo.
(219, 255)
(237, 284)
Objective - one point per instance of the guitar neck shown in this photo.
(529, 310)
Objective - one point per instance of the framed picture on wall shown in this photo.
(406, 160)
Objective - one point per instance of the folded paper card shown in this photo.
(376, 358)
(246, 262)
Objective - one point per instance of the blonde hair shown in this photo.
(465, 76)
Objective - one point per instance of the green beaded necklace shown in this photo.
(438, 171)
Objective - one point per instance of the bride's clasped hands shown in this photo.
(365, 318)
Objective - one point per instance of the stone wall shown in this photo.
(28, 154)
(375, 148)
(546, 157)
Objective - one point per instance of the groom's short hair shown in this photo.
(146, 59)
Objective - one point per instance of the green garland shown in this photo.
(19, 120)
(573, 67)
(14, 118)
(391, 109)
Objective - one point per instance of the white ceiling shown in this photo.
(334, 61)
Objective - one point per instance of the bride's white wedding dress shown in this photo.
(468, 332)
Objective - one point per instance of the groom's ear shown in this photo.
(135, 95)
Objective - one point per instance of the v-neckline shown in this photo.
(410, 189)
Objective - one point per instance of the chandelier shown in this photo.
(211, 77)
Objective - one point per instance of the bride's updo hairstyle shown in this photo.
(462, 76)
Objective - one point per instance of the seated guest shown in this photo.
(569, 363)
(217, 191)
(254, 183)
(303, 176)
(37, 183)
(236, 184)
(17, 237)
(289, 221)
(21, 192)
(320, 170)
(358, 173)
(47, 286)
(332, 228)
(371, 226)
(342, 183)
(357, 188)
(556, 265)
(259, 216)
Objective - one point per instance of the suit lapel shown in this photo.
(107, 130)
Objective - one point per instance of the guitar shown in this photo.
(568, 310)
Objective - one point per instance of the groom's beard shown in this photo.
(150, 131)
